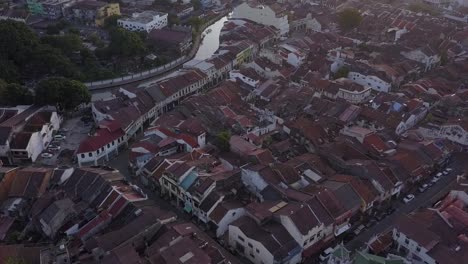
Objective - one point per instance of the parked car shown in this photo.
(445, 172)
(358, 230)
(47, 155)
(390, 211)
(435, 179)
(408, 198)
(423, 188)
(380, 216)
(59, 137)
(325, 254)
(438, 175)
(54, 148)
(448, 169)
(371, 223)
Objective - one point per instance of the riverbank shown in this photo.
(157, 72)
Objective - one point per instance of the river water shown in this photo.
(210, 42)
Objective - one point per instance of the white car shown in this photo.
(438, 175)
(59, 137)
(423, 188)
(435, 179)
(448, 169)
(408, 198)
(47, 155)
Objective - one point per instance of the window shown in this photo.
(406, 241)
(98, 151)
(90, 154)
(240, 238)
(252, 255)
(108, 145)
(418, 249)
(258, 251)
(398, 234)
(83, 155)
(250, 245)
(113, 143)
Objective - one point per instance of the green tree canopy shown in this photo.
(222, 141)
(111, 22)
(349, 18)
(67, 44)
(13, 260)
(14, 94)
(197, 5)
(65, 94)
(126, 43)
(341, 73)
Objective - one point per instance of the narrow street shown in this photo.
(423, 200)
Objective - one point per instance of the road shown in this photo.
(424, 200)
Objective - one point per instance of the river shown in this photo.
(210, 42)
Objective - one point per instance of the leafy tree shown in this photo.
(67, 44)
(222, 141)
(197, 5)
(49, 60)
(196, 23)
(111, 22)
(65, 94)
(14, 94)
(349, 18)
(126, 43)
(341, 73)
(173, 19)
(8, 71)
(13, 260)
(17, 42)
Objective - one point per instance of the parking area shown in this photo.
(67, 141)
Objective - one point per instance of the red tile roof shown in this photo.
(102, 137)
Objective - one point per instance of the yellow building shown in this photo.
(94, 12)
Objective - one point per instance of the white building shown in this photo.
(372, 81)
(455, 132)
(264, 15)
(102, 145)
(144, 21)
(265, 244)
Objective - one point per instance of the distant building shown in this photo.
(179, 37)
(93, 12)
(144, 21)
(263, 14)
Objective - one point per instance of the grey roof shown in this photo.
(156, 93)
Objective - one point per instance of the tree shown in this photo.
(222, 141)
(341, 73)
(67, 44)
(111, 22)
(349, 19)
(13, 260)
(65, 94)
(14, 94)
(126, 43)
(196, 23)
(173, 19)
(197, 5)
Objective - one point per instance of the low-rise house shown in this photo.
(26, 131)
(144, 21)
(263, 14)
(92, 12)
(455, 131)
(55, 9)
(56, 216)
(435, 235)
(224, 214)
(178, 37)
(180, 243)
(372, 81)
(425, 55)
(102, 145)
(269, 243)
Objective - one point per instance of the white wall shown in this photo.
(263, 15)
(371, 81)
(231, 216)
(262, 256)
(412, 246)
